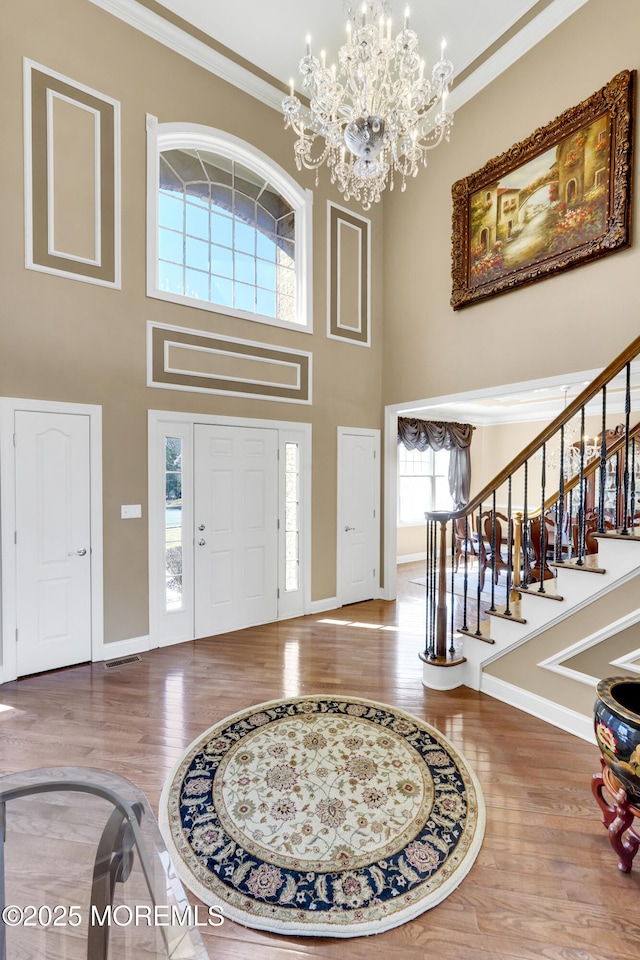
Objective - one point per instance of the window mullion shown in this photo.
(260, 274)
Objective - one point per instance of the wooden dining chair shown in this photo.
(486, 545)
(463, 543)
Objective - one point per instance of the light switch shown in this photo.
(130, 511)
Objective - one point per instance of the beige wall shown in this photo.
(575, 321)
(411, 540)
(596, 661)
(72, 341)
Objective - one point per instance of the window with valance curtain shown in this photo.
(456, 437)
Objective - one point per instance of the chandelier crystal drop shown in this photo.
(375, 115)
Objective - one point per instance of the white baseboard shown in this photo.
(124, 648)
(321, 606)
(569, 720)
(411, 557)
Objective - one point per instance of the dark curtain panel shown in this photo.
(455, 437)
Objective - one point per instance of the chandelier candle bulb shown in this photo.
(308, 45)
(443, 44)
(406, 18)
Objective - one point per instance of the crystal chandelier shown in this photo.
(377, 114)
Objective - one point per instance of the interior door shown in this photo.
(236, 527)
(53, 540)
(359, 533)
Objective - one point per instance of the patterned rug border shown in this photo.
(289, 928)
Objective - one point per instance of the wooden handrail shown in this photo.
(589, 468)
(603, 378)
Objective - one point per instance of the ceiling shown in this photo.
(275, 40)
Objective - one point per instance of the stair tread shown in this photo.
(485, 632)
(550, 591)
(589, 564)
(515, 607)
(633, 534)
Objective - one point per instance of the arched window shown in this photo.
(228, 229)
(572, 189)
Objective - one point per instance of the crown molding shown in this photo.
(156, 27)
(531, 34)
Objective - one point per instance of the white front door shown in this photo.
(236, 527)
(358, 534)
(52, 539)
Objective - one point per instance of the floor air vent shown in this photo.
(121, 662)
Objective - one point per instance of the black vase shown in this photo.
(616, 715)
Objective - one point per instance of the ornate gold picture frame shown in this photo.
(558, 199)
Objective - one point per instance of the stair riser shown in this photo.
(619, 556)
(575, 587)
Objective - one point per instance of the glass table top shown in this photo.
(87, 875)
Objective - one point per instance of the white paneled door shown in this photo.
(236, 527)
(358, 536)
(52, 539)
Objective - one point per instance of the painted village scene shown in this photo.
(545, 207)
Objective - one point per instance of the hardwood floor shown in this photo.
(545, 884)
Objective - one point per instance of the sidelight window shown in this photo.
(173, 523)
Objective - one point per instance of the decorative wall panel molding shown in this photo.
(72, 178)
(349, 276)
(182, 359)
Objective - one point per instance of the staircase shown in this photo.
(533, 611)
(589, 542)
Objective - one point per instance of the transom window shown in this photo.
(225, 235)
(229, 230)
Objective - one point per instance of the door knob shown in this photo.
(201, 543)
(78, 553)
(346, 529)
(201, 527)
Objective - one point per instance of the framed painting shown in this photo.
(558, 199)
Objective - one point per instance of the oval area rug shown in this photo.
(322, 816)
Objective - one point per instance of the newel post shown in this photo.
(436, 655)
(441, 612)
